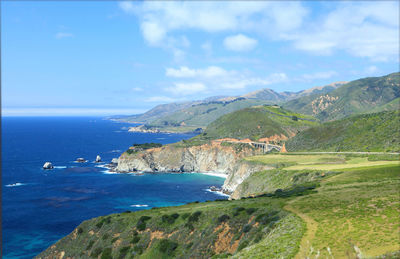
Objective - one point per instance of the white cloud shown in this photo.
(212, 17)
(61, 35)
(240, 42)
(185, 72)
(243, 83)
(363, 29)
(217, 78)
(153, 32)
(320, 75)
(186, 88)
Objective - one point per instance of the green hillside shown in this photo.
(200, 115)
(359, 96)
(258, 122)
(365, 132)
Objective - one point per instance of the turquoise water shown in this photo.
(49, 204)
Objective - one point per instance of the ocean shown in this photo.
(41, 206)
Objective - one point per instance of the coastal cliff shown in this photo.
(216, 158)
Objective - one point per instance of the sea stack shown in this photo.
(80, 160)
(48, 165)
(98, 158)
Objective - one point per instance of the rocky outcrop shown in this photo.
(48, 165)
(215, 158)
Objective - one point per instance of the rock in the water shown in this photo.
(114, 161)
(80, 160)
(48, 165)
(98, 158)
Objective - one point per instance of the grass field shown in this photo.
(320, 161)
(355, 212)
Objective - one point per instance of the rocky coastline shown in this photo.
(208, 158)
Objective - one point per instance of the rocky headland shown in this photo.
(226, 160)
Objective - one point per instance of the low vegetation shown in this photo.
(376, 132)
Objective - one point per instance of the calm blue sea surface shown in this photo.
(50, 204)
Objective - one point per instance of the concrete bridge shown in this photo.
(265, 147)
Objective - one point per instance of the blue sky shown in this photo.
(108, 57)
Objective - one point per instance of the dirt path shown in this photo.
(312, 225)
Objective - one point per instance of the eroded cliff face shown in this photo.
(208, 158)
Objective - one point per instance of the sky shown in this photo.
(121, 57)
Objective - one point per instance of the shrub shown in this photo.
(141, 224)
(194, 217)
(123, 251)
(175, 215)
(295, 118)
(258, 237)
(267, 218)
(138, 249)
(99, 224)
(90, 245)
(96, 252)
(223, 218)
(114, 239)
(135, 240)
(80, 230)
(246, 228)
(189, 226)
(170, 219)
(250, 211)
(168, 247)
(185, 215)
(106, 254)
(105, 236)
(243, 245)
(237, 210)
(135, 233)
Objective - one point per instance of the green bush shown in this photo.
(250, 211)
(168, 247)
(141, 224)
(96, 252)
(237, 210)
(80, 230)
(185, 215)
(106, 254)
(123, 251)
(194, 217)
(243, 245)
(138, 249)
(223, 218)
(105, 236)
(246, 228)
(169, 219)
(135, 240)
(90, 245)
(114, 239)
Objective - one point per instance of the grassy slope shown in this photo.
(195, 239)
(359, 96)
(353, 207)
(368, 132)
(255, 123)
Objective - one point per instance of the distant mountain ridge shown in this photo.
(356, 97)
(183, 114)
